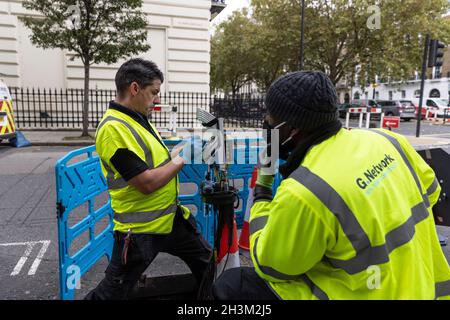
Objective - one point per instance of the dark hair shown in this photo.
(138, 70)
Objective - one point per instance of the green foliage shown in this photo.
(95, 31)
(232, 58)
(338, 37)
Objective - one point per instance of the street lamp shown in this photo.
(302, 34)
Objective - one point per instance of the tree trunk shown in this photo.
(86, 100)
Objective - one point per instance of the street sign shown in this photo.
(391, 122)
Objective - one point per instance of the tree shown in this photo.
(383, 37)
(276, 43)
(96, 31)
(232, 57)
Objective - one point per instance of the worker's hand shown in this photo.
(177, 155)
(266, 171)
(190, 151)
(264, 180)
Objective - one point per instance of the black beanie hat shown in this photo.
(306, 100)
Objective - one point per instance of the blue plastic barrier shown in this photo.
(81, 182)
(77, 184)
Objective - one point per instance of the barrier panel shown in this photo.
(367, 111)
(446, 115)
(80, 183)
(173, 117)
(431, 114)
(361, 111)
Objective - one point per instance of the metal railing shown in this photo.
(59, 109)
(239, 112)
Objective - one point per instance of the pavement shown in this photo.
(59, 138)
(430, 130)
(28, 228)
(29, 232)
(68, 138)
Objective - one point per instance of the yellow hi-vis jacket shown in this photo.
(354, 221)
(134, 211)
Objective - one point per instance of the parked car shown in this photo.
(438, 106)
(400, 108)
(370, 103)
(342, 109)
(366, 103)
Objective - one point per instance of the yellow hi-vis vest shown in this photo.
(134, 211)
(354, 221)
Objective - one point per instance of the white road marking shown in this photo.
(39, 257)
(22, 260)
(29, 248)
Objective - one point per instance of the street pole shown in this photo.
(422, 85)
(302, 35)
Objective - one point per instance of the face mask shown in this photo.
(285, 147)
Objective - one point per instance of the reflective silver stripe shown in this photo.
(258, 224)
(393, 240)
(334, 202)
(117, 184)
(366, 255)
(141, 217)
(100, 126)
(405, 159)
(442, 289)
(269, 270)
(408, 164)
(319, 293)
(113, 184)
(432, 189)
(282, 276)
(148, 155)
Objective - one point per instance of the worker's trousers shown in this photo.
(242, 284)
(127, 266)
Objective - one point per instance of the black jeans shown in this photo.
(184, 242)
(242, 284)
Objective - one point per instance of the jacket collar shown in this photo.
(133, 114)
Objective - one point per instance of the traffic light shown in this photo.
(435, 57)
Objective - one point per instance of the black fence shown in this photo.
(239, 112)
(62, 109)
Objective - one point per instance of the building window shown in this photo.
(403, 94)
(435, 93)
(377, 95)
(347, 98)
(357, 96)
(417, 94)
(391, 95)
(437, 73)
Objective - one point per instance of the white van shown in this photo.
(438, 106)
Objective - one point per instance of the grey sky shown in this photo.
(231, 6)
